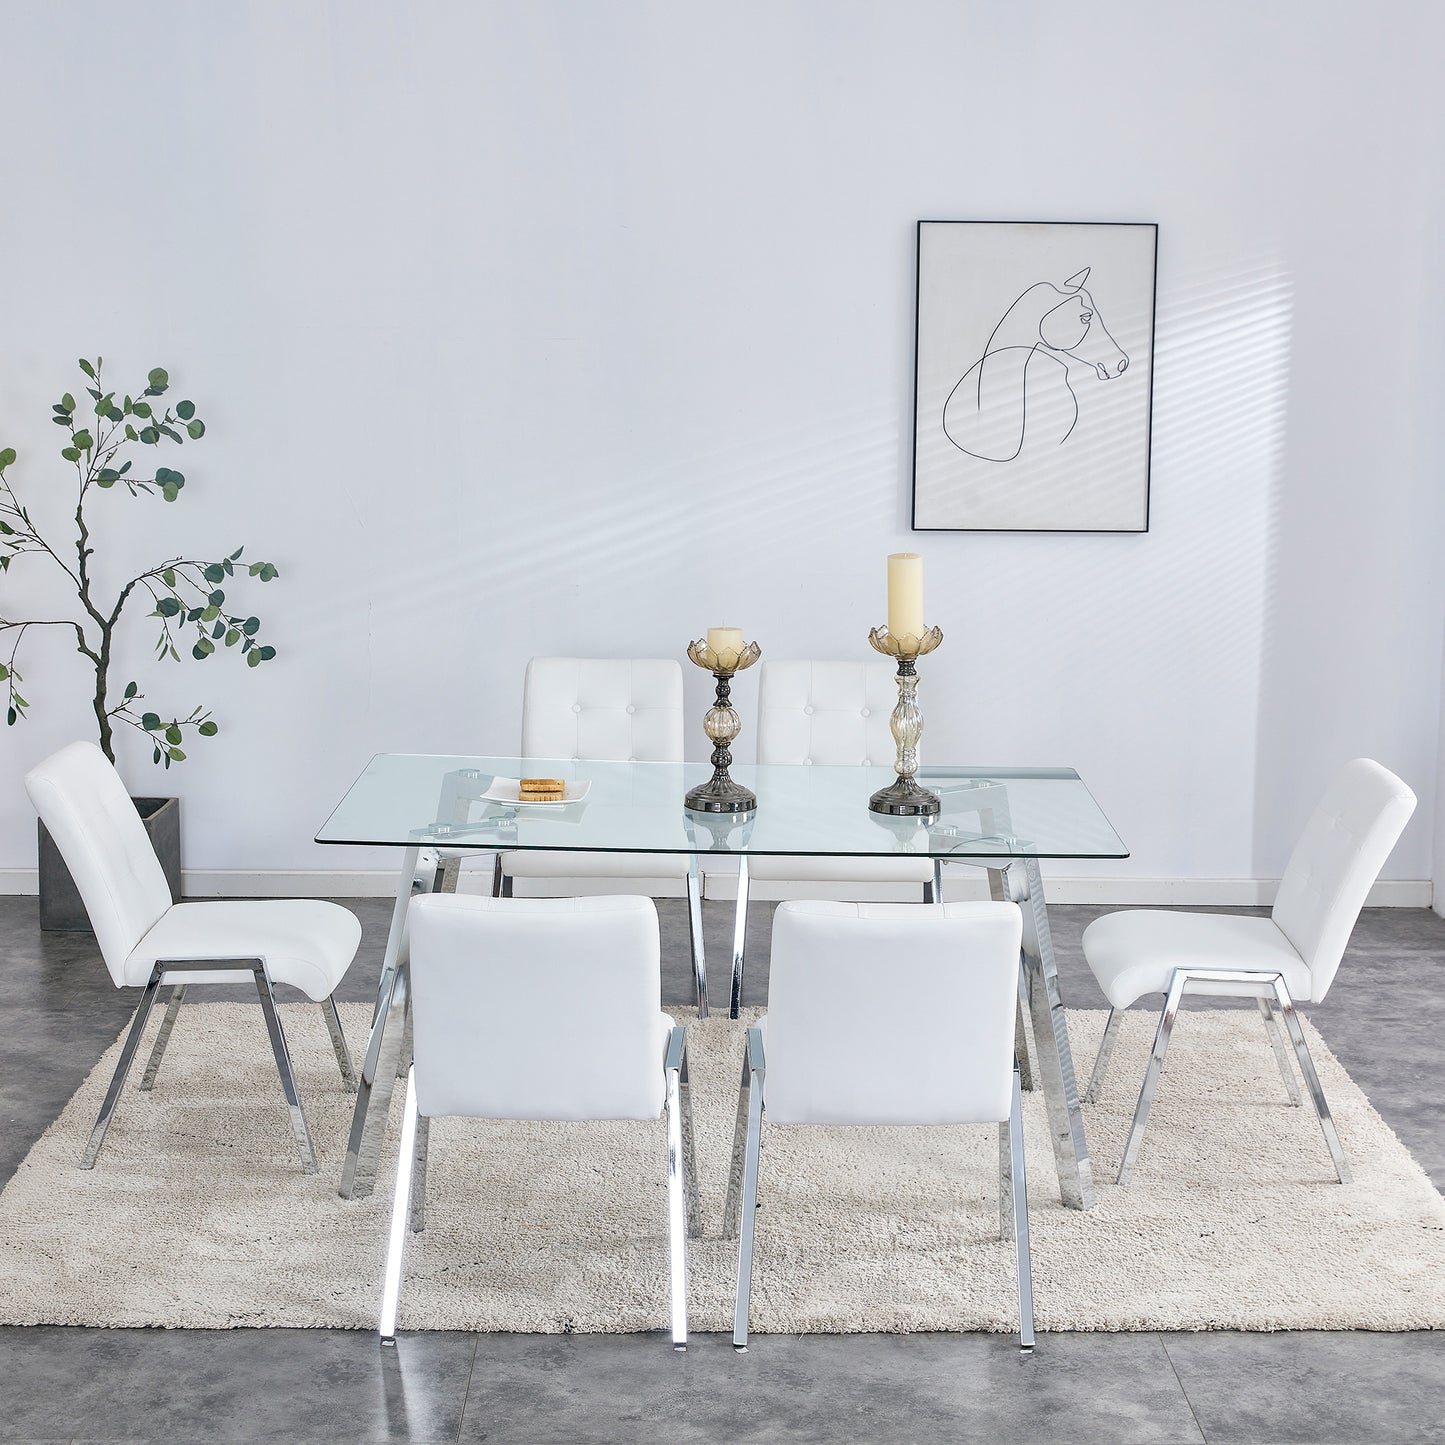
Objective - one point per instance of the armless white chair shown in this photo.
(147, 940)
(606, 710)
(832, 714)
(934, 1046)
(540, 1008)
(1288, 957)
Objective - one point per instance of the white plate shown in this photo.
(509, 790)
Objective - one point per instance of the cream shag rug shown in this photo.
(198, 1215)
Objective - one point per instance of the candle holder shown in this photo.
(722, 724)
(905, 798)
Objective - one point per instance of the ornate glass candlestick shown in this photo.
(906, 798)
(722, 724)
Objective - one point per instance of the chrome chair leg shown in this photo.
(1278, 1048)
(694, 928)
(1005, 1182)
(1018, 1178)
(1101, 1060)
(748, 1227)
(497, 879)
(419, 1163)
(689, 1147)
(506, 888)
(283, 1067)
(122, 1068)
(163, 1037)
(1312, 1080)
(1151, 1075)
(338, 1042)
(400, 1200)
(740, 933)
(677, 1200)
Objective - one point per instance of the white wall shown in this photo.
(578, 327)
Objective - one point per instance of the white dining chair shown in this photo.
(540, 1008)
(1288, 958)
(832, 714)
(935, 1045)
(577, 709)
(147, 940)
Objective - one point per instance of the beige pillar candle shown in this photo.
(726, 643)
(905, 594)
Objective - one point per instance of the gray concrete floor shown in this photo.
(1384, 1019)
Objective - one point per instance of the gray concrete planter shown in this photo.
(61, 910)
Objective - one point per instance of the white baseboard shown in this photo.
(959, 883)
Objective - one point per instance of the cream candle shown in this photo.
(726, 643)
(905, 594)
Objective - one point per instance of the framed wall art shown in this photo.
(1033, 376)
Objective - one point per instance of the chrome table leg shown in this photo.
(933, 889)
(163, 1037)
(122, 1068)
(694, 928)
(378, 1075)
(677, 1202)
(748, 1226)
(998, 890)
(1055, 1059)
(740, 933)
(419, 1155)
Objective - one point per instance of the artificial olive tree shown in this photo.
(186, 594)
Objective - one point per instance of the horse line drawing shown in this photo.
(1017, 397)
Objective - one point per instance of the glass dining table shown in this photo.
(436, 809)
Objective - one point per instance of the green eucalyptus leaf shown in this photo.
(169, 576)
(71, 454)
(232, 557)
(175, 755)
(173, 734)
(130, 690)
(158, 378)
(168, 607)
(185, 410)
(8, 456)
(211, 613)
(87, 368)
(218, 630)
(67, 403)
(232, 637)
(208, 729)
(156, 756)
(130, 433)
(142, 408)
(84, 440)
(175, 436)
(253, 659)
(217, 597)
(214, 573)
(250, 626)
(196, 429)
(149, 435)
(170, 491)
(267, 653)
(150, 721)
(10, 717)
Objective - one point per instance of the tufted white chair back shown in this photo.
(834, 714)
(537, 1008)
(935, 1044)
(1344, 845)
(603, 709)
(84, 804)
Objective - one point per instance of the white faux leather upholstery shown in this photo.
(537, 1008)
(601, 710)
(1136, 951)
(84, 804)
(934, 1045)
(305, 942)
(833, 714)
(1336, 861)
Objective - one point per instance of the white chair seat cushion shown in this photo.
(542, 864)
(305, 942)
(1134, 952)
(841, 870)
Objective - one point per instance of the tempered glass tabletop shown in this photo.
(421, 800)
